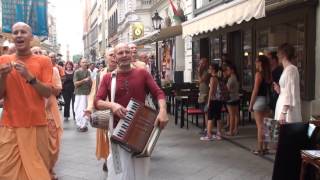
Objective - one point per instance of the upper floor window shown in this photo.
(209, 4)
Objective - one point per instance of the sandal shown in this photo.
(257, 152)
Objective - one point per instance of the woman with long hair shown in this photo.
(288, 108)
(258, 102)
(204, 79)
(214, 104)
(233, 102)
(68, 89)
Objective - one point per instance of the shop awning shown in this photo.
(227, 14)
(159, 35)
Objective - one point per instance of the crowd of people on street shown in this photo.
(275, 94)
(31, 82)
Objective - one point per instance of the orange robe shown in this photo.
(24, 153)
(54, 120)
(102, 142)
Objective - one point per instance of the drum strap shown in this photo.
(114, 147)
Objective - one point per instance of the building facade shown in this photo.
(112, 16)
(51, 44)
(94, 28)
(295, 22)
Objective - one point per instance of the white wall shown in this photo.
(188, 44)
(315, 105)
(180, 58)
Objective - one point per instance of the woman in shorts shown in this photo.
(233, 102)
(214, 104)
(258, 102)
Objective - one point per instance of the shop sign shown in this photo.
(137, 30)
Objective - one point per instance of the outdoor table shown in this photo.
(180, 100)
(308, 159)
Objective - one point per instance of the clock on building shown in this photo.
(137, 30)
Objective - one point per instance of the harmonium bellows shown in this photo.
(136, 131)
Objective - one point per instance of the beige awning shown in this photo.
(230, 13)
(159, 35)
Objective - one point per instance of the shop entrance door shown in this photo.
(204, 48)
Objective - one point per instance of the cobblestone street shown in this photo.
(179, 155)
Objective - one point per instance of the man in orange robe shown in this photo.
(53, 116)
(102, 143)
(25, 81)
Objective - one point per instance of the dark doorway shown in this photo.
(204, 48)
(235, 50)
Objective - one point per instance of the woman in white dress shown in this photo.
(288, 108)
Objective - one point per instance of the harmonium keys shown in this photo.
(124, 124)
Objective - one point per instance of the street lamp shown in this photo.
(156, 22)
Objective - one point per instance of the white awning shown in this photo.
(230, 13)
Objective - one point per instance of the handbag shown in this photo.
(100, 118)
(271, 129)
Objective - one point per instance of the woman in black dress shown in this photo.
(68, 89)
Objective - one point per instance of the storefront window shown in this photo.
(247, 61)
(224, 46)
(215, 50)
(195, 58)
(270, 38)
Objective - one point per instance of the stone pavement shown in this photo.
(179, 155)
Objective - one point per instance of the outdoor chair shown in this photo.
(244, 107)
(192, 109)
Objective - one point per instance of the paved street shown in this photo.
(179, 155)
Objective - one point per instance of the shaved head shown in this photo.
(109, 51)
(22, 24)
(144, 57)
(36, 50)
(131, 45)
(120, 45)
(22, 37)
(123, 55)
(133, 49)
(110, 59)
(11, 49)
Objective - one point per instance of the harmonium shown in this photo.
(137, 132)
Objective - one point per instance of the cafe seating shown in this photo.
(310, 165)
(193, 109)
(181, 93)
(244, 107)
(293, 138)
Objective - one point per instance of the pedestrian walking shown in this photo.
(130, 83)
(82, 82)
(54, 120)
(25, 80)
(68, 91)
(102, 143)
(53, 116)
(135, 62)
